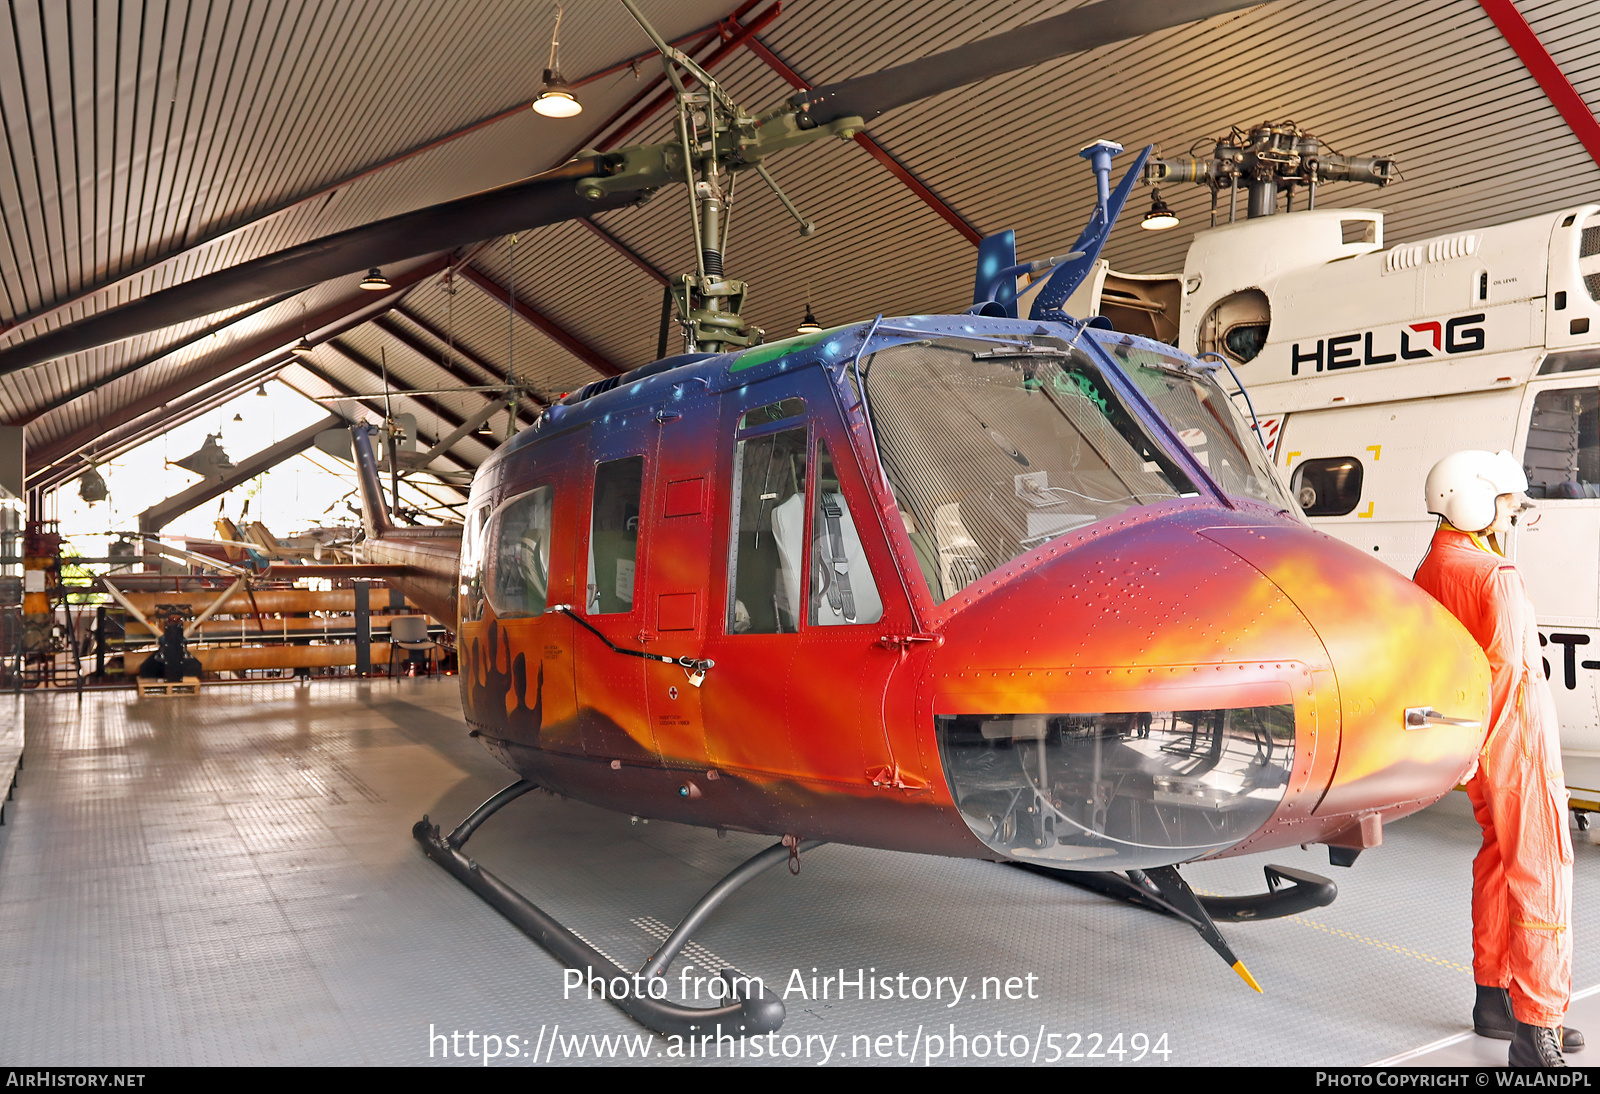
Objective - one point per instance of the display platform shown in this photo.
(231, 879)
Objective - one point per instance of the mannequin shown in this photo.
(1522, 876)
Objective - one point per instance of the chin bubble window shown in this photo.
(1117, 791)
(1329, 487)
(519, 554)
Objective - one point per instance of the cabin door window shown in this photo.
(519, 554)
(1563, 453)
(614, 536)
(1557, 544)
(841, 590)
(473, 563)
(769, 476)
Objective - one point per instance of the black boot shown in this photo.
(1535, 1046)
(1492, 1017)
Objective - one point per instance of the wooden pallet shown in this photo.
(189, 685)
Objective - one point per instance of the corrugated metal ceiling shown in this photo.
(148, 143)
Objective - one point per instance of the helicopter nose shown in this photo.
(1412, 683)
(1179, 686)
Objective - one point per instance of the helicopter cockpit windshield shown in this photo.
(994, 447)
(1202, 415)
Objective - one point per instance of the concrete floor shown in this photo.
(230, 879)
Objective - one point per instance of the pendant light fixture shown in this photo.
(301, 348)
(809, 324)
(375, 281)
(1160, 217)
(555, 98)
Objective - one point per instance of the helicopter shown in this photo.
(1485, 338)
(990, 585)
(971, 585)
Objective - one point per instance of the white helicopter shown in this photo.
(1367, 362)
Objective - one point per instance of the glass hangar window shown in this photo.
(995, 447)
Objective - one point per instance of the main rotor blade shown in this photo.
(530, 203)
(1080, 29)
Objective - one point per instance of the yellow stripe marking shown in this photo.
(1380, 945)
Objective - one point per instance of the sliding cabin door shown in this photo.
(798, 687)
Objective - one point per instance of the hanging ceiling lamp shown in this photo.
(555, 98)
(262, 390)
(1160, 217)
(375, 281)
(809, 324)
(301, 348)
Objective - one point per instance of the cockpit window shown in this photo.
(1205, 419)
(995, 447)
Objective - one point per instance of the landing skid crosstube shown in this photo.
(743, 1015)
(1162, 889)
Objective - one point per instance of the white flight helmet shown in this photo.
(1462, 487)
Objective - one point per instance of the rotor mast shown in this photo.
(716, 138)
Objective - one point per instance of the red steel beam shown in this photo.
(733, 34)
(1543, 68)
(876, 151)
(557, 333)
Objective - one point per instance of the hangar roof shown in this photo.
(151, 142)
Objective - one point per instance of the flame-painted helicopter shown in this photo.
(976, 585)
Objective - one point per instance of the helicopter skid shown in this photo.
(743, 1015)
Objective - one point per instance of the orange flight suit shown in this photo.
(1522, 878)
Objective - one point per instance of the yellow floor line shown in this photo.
(1380, 945)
